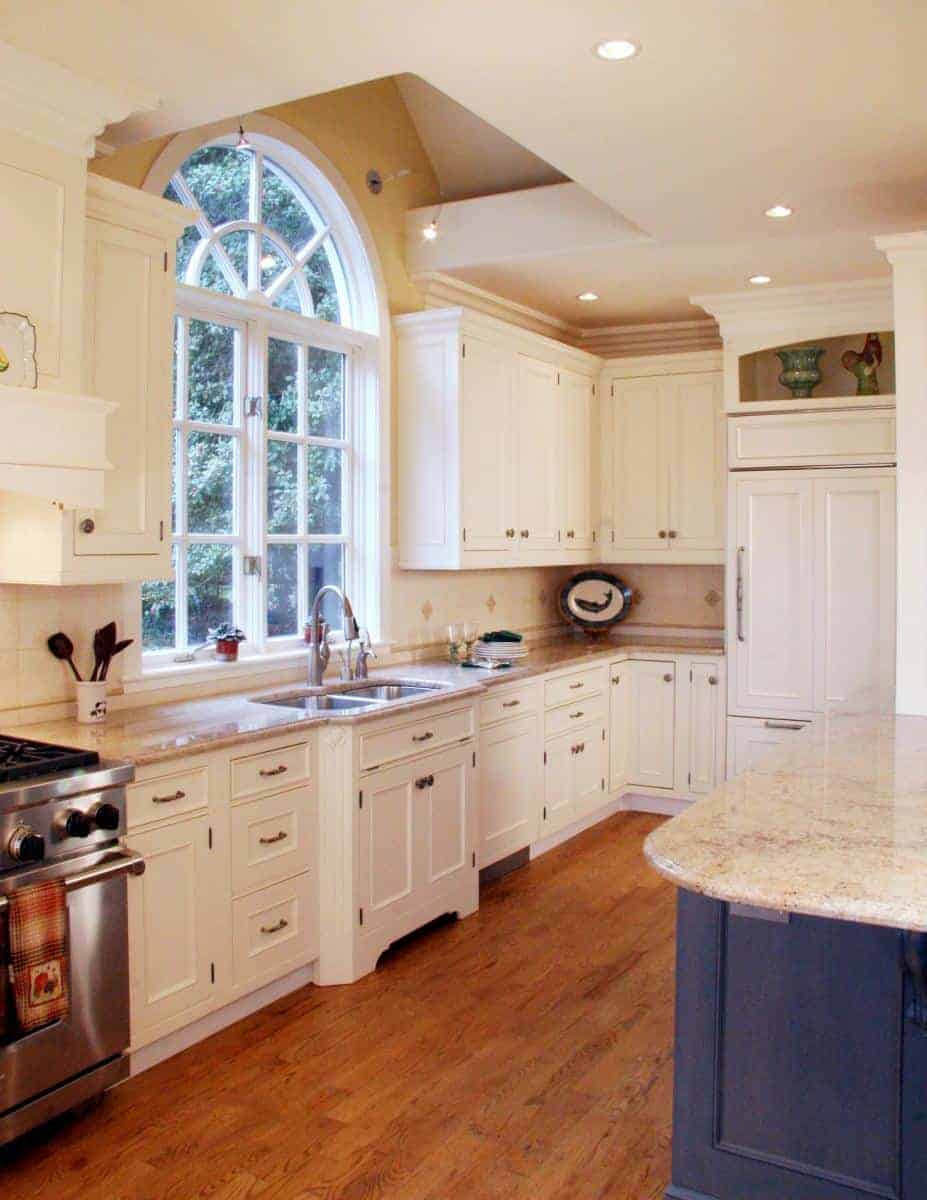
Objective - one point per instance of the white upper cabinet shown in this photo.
(664, 477)
(496, 429)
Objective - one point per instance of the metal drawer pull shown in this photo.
(178, 795)
(578, 749)
(510, 703)
(425, 781)
(271, 771)
(797, 726)
(422, 737)
(281, 924)
(277, 837)
(574, 686)
(578, 713)
(667, 678)
(127, 862)
(740, 594)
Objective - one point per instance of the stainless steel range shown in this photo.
(62, 812)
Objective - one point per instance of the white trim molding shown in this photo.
(664, 337)
(444, 291)
(686, 363)
(49, 104)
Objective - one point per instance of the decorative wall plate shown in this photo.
(595, 600)
(17, 351)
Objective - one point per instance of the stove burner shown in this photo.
(21, 758)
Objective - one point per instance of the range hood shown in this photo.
(52, 445)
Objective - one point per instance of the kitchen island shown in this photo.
(801, 1003)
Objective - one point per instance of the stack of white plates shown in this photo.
(496, 652)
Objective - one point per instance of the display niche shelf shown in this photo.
(760, 390)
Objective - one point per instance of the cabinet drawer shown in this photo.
(572, 686)
(515, 702)
(274, 931)
(173, 795)
(270, 770)
(415, 738)
(272, 839)
(583, 711)
(812, 439)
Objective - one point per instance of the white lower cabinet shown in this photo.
(274, 931)
(705, 733)
(653, 724)
(750, 740)
(510, 786)
(619, 732)
(575, 770)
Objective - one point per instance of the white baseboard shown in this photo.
(570, 831)
(667, 806)
(183, 1039)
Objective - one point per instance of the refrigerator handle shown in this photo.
(740, 594)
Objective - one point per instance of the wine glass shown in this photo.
(457, 650)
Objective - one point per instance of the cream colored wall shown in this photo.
(357, 128)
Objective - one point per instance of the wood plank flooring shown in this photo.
(522, 1053)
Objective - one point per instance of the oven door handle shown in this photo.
(125, 862)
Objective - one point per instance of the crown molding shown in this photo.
(665, 337)
(119, 204)
(897, 246)
(444, 291)
(797, 313)
(49, 104)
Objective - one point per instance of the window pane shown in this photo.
(289, 299)
(324, 490)
(272, 263)
(211, 367)
(210, 483)
(282, 367)
(321, 280)
(209, 596)
(325, 393)
(326, 565)
(235, 246)
(282, 482)
(220, 179)
(211, 276)
(284, 211)
(282, 591)
(159, 615)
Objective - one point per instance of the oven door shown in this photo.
(97, 1026)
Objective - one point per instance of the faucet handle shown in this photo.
(325, 650)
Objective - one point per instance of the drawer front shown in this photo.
(515, 702)
(269, 771)
(583, 711)
(812, 439)
(419, 737)
(166, 796)
(272, 839)
(274, 931)
(573, 686)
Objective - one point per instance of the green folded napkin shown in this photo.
(501, 635)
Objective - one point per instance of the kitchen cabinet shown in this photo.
(575, 768)
(802, 542)
(665, 468)
(496, 429)
(619, 731)
(653, 724)
(751, 739)
(705, 735)
(509, 775)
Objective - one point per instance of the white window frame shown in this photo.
(366, 432)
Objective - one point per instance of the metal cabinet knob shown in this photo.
(672, 533)
(525, 533)
(510, 533)
(616, 679)
(571, 533)
(667, 678)
(712, 679)
(662, 533)
(88, 525)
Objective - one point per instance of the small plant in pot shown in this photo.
(226, 638)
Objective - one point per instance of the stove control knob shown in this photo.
(105, 816)
(26, 846)
(77, 824)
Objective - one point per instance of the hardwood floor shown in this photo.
(523, 1052)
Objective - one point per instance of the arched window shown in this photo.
(276, 388)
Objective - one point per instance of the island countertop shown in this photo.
(835, 826)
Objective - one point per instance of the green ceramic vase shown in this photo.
(800, 371)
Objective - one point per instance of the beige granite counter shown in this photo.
(164, 731)
(834, 826)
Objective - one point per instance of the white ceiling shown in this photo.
(732, 106)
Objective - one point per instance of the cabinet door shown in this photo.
(128, 362)
(171, 917)
(590, 770)
(510, 758)
(537, 452)
(620, 725)
(386, 844)
(706, 727)
(750, 740)
(576, 412)
(653, 724)
(640, 499)
(559, 809)
(486, 446)
(773, 643)
(854, 592)
(694, 434)
(445, 836)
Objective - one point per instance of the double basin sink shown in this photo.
(355, 698)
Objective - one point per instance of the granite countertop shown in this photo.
(833, 826)
(163, 731)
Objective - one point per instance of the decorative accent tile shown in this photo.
(712, 598)
(637, 596)
(427, 610)
(491, 602)
(543, 597)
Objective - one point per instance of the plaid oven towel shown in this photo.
(38, 937)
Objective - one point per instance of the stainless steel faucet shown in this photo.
(318, 631)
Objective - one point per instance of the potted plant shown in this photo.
(226, 637)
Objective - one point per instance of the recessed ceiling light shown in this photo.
(760, 279)
(588, 297)
(617, 49)
(778, 211)
(430, 231)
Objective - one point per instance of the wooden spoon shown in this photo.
(117, 649)
(62, 647)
